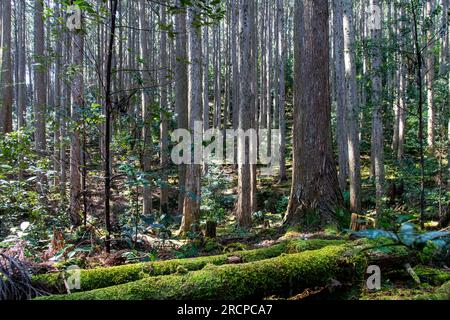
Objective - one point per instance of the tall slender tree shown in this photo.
(243, 209)
(352, 108)
(39, 75)
(76, 111)
(191, 206)
(6, 124)
(164, 106)
(282, 87)
(341, 112)
(377, 120)
(181, 91)
(146, 108)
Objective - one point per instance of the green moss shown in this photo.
(106, 277)
(432, 276)
(211, 245)
(423, 292)
(442, 293)
(237, 246)
(280, 275)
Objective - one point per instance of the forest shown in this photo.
(282, 150)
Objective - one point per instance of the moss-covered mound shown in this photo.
(106, 277)
(286, 274)
(442, 293)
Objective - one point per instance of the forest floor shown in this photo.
(160, 256)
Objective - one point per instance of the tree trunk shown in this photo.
(351, 101)
(57, 102)
(22, 85)
(164, 105)
(282, 89)
(430, 74)
(244, 202)
(191, 205)
(39, 86)
(146, 111)
(181, 93)
(7, 70)
(315, 193)
(75, 145)
(377, 121)
(341, 126)
(402, 109)
(108, 110)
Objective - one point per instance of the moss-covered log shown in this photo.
(106, 277)
(286, 274)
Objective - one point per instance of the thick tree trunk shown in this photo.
(315, 193)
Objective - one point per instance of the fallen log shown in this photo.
(106, 277)
(284, 275)
(231, 282)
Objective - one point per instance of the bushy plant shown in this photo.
(19, 169)
(214, 201)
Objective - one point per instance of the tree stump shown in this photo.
(211, 229)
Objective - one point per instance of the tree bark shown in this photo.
(282, 89)
(377, 121)
(191, 205)
(164, 105)
(181, 93)
(39, 86)
(430, 75)
(7, 70)
(22, 85)
(352, 109)
(244, 202)
(146, 111)
(315, 194)
(341, 112)
(75, 145)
